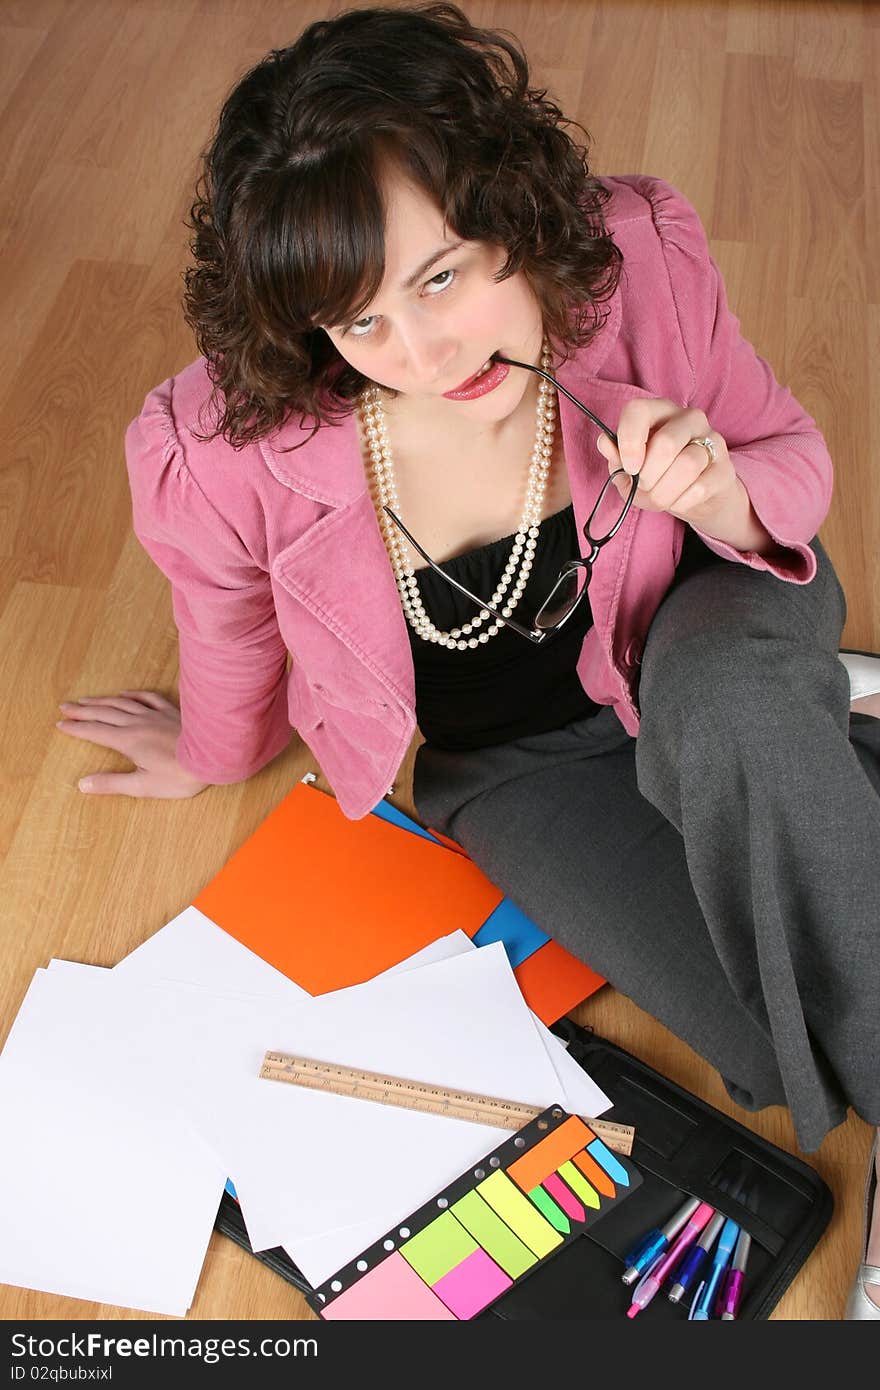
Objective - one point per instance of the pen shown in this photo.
(657, 1242)
(732, 1295)
(702, 1304)
(695, 1258)
(650, 1282)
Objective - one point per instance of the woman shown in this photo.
(430, 337)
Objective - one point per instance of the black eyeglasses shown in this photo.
(573, 579)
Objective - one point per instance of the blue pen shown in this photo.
(648, 1250)
(694, 1259)
(705, 1295)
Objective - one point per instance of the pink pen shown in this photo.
(649, 1284)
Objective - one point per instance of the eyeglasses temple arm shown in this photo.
(508, 622)
(509, 361)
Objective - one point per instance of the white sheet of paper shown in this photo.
(109, 1195)
(191, 949)
(305, 1161)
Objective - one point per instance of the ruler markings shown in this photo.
(417, 1095)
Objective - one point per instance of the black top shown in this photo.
(507, 687)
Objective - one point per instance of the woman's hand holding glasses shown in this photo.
(657, 439)
(679, 474)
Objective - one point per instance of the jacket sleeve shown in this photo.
(233, 659)
(776, 448)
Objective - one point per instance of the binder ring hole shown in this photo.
(442, 1202)
(494, 1162)
(362, 1265)
(519, 1142)
(388, 1244)
(542, 1124)
(404, 1232)
(479, 1172)
(336, 1286)
(556, 1113)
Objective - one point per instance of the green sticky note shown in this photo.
(579, 1185)
(494, 1235)
(554, 1213)
(438, 1248)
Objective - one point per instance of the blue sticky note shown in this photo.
(230, 1189)
(514, 929)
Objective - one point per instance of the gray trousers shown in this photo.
(723, 868)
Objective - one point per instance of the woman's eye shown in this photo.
(363, 327)
(446, 284)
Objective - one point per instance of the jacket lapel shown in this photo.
(340, 572)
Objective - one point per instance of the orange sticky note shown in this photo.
(597, 1175)
(546, 1156)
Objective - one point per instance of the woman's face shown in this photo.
(431, 327)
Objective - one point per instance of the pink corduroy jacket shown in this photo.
(272, 553)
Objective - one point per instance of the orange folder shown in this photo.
(332, 902)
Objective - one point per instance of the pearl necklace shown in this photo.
(524, 542)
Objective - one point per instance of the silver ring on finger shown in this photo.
(705, 441)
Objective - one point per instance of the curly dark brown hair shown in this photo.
(289, 222)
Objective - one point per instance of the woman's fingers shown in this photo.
(103, 731)
(90, 704)
(152, 698)
(105, 714)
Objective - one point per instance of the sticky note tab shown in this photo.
(519, 1213)
(493, 1234)
(545, 1156)
(553, 1212)
(565, 1197)
(438, 1248)
(606, 1159)
(472, 1285)
(391, 1290)
(597, 1176)
(578, 1183)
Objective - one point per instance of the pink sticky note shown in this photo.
(392, 1290)
(472, 1285)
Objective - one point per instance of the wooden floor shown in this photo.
(766, 114)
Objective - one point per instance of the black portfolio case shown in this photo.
(683, 1147)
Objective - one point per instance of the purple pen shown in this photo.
(650, 1282)
(732, 1294)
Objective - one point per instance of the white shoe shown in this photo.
(864, 673)
(860, 1307)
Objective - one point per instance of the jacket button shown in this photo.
(633, 654)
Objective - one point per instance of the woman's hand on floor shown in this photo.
(143, 726)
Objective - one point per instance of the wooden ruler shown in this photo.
(416, 1095)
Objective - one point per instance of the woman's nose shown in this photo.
(428, 361)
